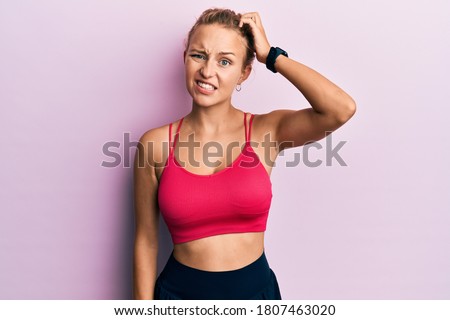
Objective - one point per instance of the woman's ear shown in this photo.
(245, 73)
(184, 56)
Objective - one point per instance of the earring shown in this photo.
(238, 88)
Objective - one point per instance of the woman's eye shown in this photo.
(198, 56)
(224, 63)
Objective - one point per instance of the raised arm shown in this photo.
(330, 108)
(146, 217)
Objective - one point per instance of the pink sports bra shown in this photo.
(235, 199)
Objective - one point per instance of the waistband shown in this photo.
(180, 279)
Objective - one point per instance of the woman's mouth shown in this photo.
(205, 86)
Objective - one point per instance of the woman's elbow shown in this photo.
(346, 111)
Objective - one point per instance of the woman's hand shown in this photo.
(262, 45)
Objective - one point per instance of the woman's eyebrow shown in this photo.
(225, 53)
(197, 50)
(222, 53)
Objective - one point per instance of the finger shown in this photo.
(249, 17)
(247, 20)
(254, 15)
(250, 14)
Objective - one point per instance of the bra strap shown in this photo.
(245, 126)
(250, 127)
(178, 133)
(170, 138)
(171, 148)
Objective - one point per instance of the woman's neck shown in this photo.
(213, 119)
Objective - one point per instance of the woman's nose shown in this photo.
(207, 70)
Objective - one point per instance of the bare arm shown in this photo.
(330, 108)
(146, 217)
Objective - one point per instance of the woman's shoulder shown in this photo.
(155, 141)
(262, 123)
(154, 134)
(160, 133)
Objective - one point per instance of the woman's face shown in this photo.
(214, 64)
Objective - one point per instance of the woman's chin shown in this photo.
(204, 102)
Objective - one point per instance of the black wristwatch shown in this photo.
(273, 55)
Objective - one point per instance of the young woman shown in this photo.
(210, 183)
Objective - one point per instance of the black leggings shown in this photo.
(255, 281)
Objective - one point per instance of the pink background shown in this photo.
(77, 74)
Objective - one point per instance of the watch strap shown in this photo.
(272, 56)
